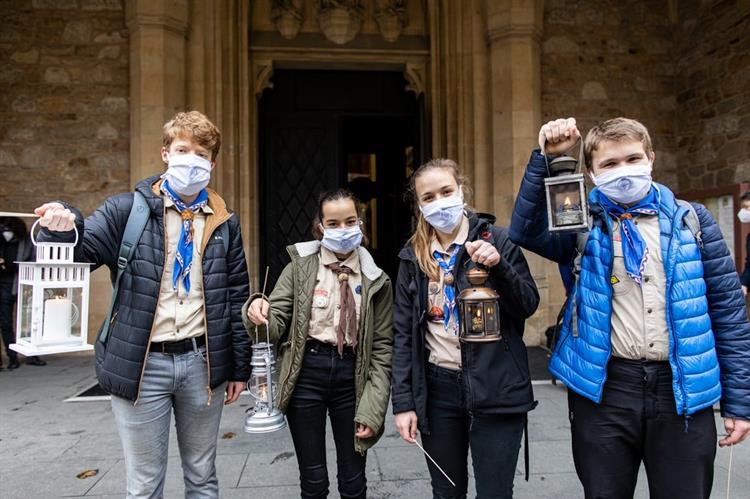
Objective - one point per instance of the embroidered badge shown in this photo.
(486, 235)
(320, 292)
(613, 279)
(320, 301)
(358, 289)
(434, 288)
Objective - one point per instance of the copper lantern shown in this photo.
(479, 308)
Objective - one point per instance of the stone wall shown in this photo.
(607, 58)
(64, 102)
(712, 87)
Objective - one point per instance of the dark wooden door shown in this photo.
(314, 125)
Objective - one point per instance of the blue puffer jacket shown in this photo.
(709, 332)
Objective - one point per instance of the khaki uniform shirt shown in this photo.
(180, 315)
(326, 311)
(639, 319)
(444, 346)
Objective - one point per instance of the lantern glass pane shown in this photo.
(490, 317)
(258, 385)
(62, 314)
(25, 309)
(474, 318)
(566, 203)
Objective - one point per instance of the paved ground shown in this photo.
(45, 443)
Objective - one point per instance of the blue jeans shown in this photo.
(494, 439)
(171, 382)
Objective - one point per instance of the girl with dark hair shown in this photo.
(460, 395)
(330, 316)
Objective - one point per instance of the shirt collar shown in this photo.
(168, 204)
(352, 261)
(463, 234)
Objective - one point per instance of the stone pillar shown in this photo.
(157, 31)
(514, 29)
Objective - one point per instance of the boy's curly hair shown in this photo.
(196, 126)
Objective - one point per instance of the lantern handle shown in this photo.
(33, 239)
(580, 156)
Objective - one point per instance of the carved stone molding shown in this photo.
(287, 16)
(262, 73)
(340, 20)
(415, 74)
(516, 30)
(391, 18)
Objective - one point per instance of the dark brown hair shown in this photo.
(336, 195)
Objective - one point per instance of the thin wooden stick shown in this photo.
(263, 297)
(20, 215)
(433, 462)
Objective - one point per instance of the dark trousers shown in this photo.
(326, 385)
(637, 421)
(7, 303)
(494, 439)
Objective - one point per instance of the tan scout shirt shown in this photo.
(639, 319)
(180, 315)
(326, 311)
(444, 347)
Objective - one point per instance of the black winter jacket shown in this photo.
(121, 361)
(497, 373)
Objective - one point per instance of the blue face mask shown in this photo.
(342, 240)
(444, 214)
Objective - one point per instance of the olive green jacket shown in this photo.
(289, 320)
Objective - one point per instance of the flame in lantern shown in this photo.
(479, 312)
(567, 202)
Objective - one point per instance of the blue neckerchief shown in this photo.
(183, 261)
(634, 248)
(449, 291)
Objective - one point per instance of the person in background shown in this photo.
(744, 216)
(14, 247)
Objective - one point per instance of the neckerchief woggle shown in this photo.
(634, 248)
(450, 308)
(183, 261)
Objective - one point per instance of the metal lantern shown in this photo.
(263, 417)
(567, 208)
(53, 301)
(479, 309)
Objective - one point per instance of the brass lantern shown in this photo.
(263, 417)
(479, 309)
(567, 208)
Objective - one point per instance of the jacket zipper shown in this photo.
(672, 329)
(204, 244)
(158, 300)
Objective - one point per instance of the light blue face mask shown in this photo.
(342, 241)
(444, 214)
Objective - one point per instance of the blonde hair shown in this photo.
(196, 126)
(422, 238)
(616, 130)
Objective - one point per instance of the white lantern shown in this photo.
(53, 301)
(263, 417)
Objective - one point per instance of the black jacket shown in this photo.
(120, 363)
(497, 373)
(745, 276)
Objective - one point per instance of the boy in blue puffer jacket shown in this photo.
(655, 331)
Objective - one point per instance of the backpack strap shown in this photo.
(692, 221)
(139, 215)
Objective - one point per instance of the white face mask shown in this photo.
(744, 215)
(343, 240)
(8, 235)
(445, 213)
(188, 174)
(626, 184)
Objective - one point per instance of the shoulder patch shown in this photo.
(613, 279)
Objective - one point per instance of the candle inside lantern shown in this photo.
(477, 323)
(58, 315)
